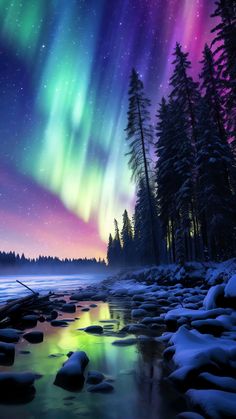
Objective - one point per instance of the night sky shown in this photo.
(64, 74)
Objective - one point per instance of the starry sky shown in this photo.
(64, 74)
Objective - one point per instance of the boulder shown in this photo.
(68, 308)
(58, 323)
(103, 387)
(71, 375)
(17, 386)
(9, 335)
(125, 342)
(94, 377)
(30, 320)
(94, 329)
(7, 353)
(138, 312)
(34, 336)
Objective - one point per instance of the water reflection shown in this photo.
(134, 369)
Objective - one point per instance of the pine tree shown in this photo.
(166, 177)
(110, 253)
(175, 180)
(185, 91)
(225, 53)
(127, 240)
(117, 249)
(186, 96)
(143, 225)
(211, 87)
(140, 137)
(216, 200)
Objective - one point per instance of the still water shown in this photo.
(133, 370)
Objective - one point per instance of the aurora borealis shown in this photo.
(64, 76)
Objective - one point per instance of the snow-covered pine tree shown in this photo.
(184, 89)
(165, 176)
(142, 225)
(211, 87)
(117, 249)
(216, 200)
(174, 179)
(186, 96)
(139, 138)
(110, 255)
(225, 53)
(127, 240)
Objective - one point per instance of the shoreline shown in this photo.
(191, 313)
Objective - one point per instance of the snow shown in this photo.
(230, 289)
(210, 301)
(194, 350)
(222, 383)
(195, 314)
(215, 404)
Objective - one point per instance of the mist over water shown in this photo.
(9, 288)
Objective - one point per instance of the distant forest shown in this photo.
(11, 259)
(186, 199)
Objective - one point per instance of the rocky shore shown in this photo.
(190, 310)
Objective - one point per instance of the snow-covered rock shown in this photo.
(138, 312)
(230, 289)
(215, 404)
(217, 382)
(213, 296)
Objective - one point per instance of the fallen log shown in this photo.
(24, 304)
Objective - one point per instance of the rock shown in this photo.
(41, 319)
(99, 297)
(138, 312)
(125, 342)
(230, 292)
(54, 314)
(93, 305)
(212, 326)
(7, 353)
(9, 335)
(34, 337)
(71, 375)
(138, 298)
(84, 295)
(189, 415)
(30, 320)
(94, 329)
(58, 323)
(95, 377)
(68, 308)
(148, 307)
(103, 387)
(214, 297)
(17, 386)
(55, 355)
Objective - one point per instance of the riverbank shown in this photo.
(167, 333)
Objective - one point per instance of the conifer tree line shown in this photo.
(186, 200)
